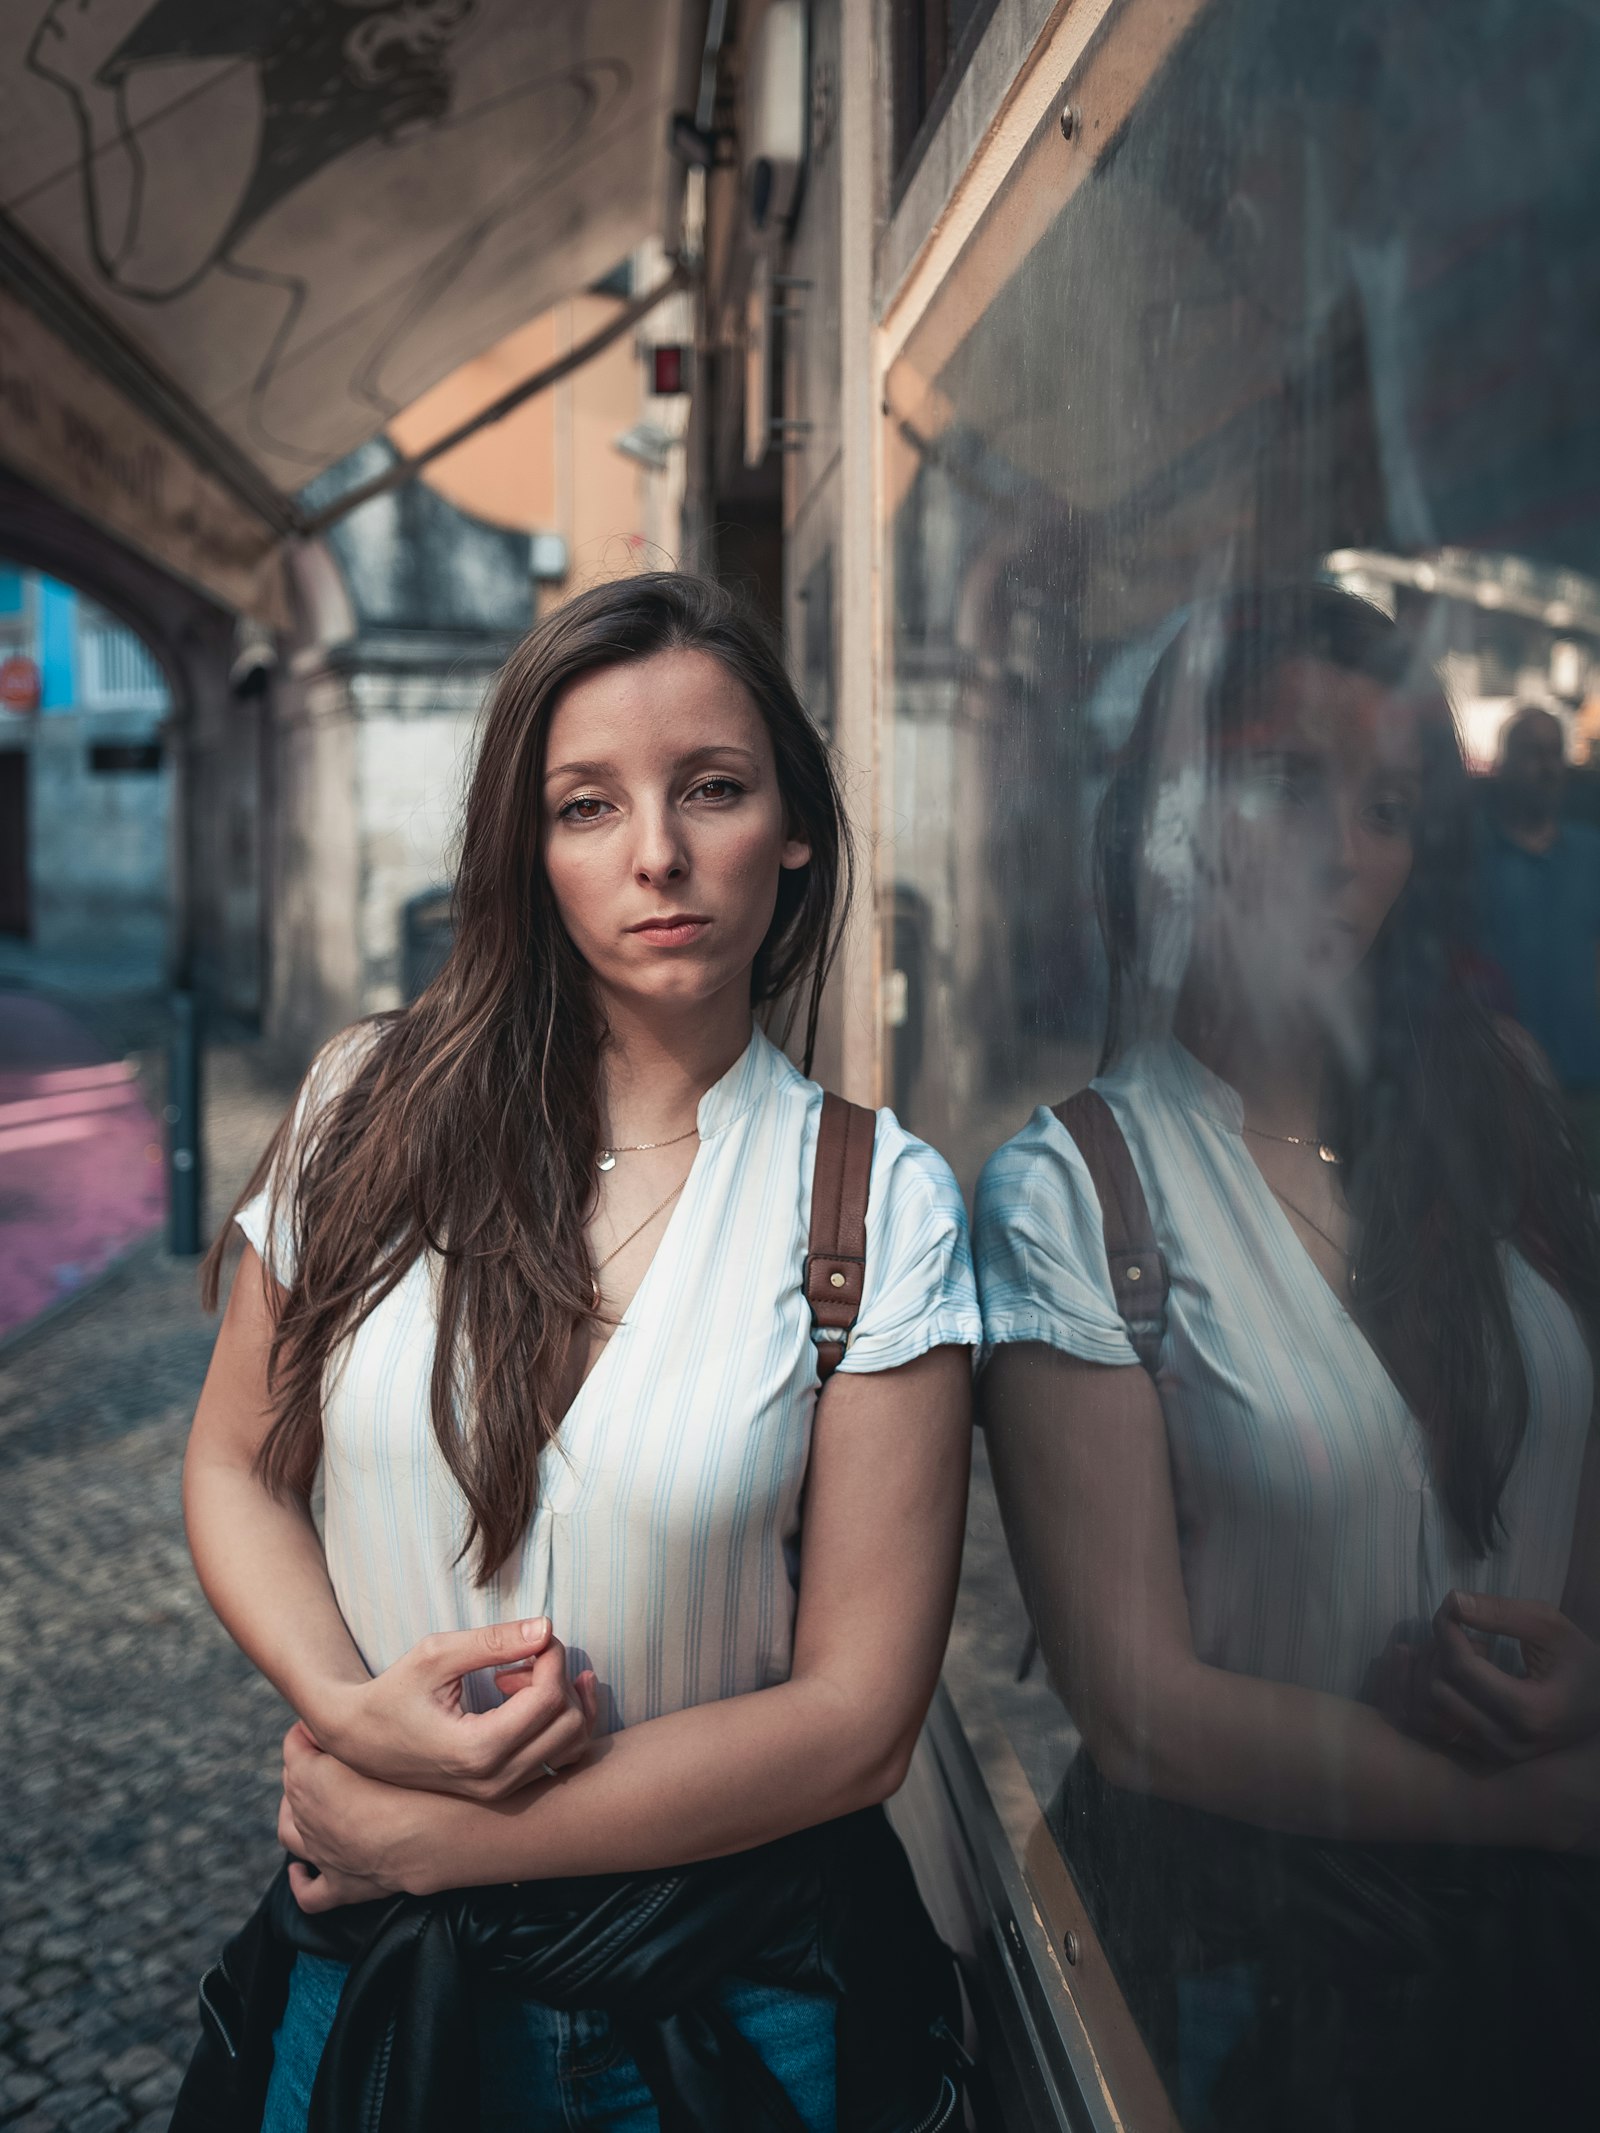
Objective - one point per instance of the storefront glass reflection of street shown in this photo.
(1237, 557)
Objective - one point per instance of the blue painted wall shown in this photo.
(57, 637)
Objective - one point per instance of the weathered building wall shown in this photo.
(368, 770)
(314, 983)
(98, 842)
(408, 609)
(413, 752)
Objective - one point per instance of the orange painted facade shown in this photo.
(553, 466)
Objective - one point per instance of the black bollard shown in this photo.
(184, 1168)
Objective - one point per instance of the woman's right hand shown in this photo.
(1451, 1693)
(410, 1725)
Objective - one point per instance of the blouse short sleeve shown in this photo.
(919, 1292)
(1039, 1242)
(267, 1220)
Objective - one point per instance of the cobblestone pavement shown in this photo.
(138, 1748)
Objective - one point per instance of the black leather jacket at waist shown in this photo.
(832, 1909)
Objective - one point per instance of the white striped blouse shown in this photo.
(665, 1544)
(1309, 1527)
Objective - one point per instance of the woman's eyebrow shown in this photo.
(578, 770)
(706, 754)
(715, 748)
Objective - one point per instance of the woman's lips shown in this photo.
(674, 932)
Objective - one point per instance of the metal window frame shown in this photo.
(99, 639)
(1058, 2050)
(904, 168)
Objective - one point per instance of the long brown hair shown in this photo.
(466, 1125)
(1453, 1141)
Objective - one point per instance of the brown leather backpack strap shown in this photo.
(1139, 1278)
(836, 1260)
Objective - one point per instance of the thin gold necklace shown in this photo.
(1332, 1243)
(607, 1158)
(637, 1231)
(1297, 1140)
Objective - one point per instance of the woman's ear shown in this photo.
(796, 853)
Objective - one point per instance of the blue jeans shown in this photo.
(543, 2068)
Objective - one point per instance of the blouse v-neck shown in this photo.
(1200, 1088)
(630, 1310)
(1194, 1086)
(709, 1119)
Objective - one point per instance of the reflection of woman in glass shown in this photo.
(1372, 1402)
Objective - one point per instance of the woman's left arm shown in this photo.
(880, 1551)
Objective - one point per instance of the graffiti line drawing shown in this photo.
(218, 146)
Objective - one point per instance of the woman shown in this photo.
(524, 1286)
(1369, 1412)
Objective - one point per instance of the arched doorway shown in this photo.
(212, 738)
(208, 944)
(85, 787)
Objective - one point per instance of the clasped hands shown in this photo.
(350, 1781)
(1451, 1693)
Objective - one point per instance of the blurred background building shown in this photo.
(85, 789)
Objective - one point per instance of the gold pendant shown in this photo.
(608, 1159)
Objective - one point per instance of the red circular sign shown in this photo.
(19, 684)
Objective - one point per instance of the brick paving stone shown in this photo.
(45, 2015)
(39, 2045)
(23, 2086)
(106, 2116)
(155, 2088)
(141, 1807)
(53, 1976)
(134, 2065)
(66, 2104)
(98, 2026)
(78, 2063)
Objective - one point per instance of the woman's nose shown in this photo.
(1341, 840)
(660, 855)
